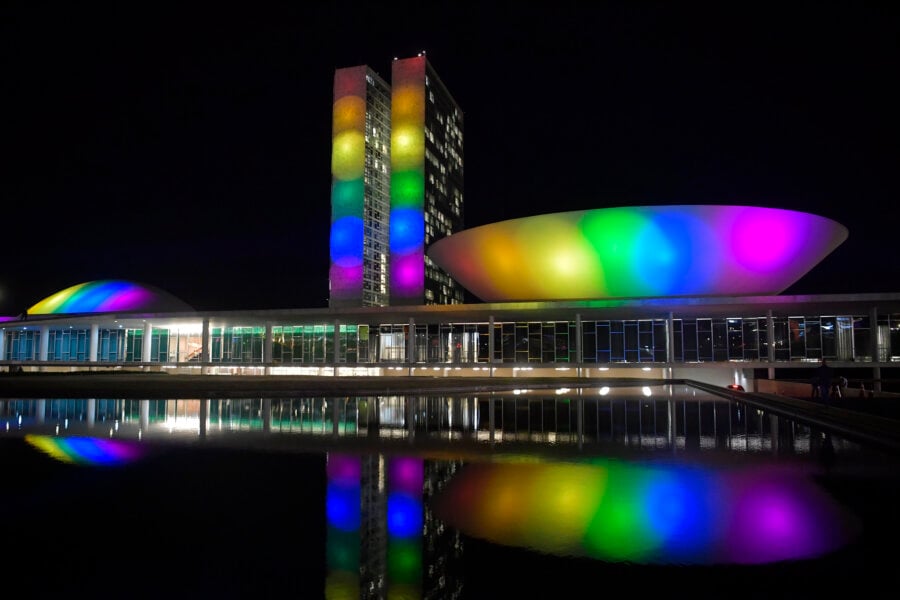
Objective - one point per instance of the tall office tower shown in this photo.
(426, 182)
(360, 189)
(397, 186)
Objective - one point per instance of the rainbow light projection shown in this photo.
(407, 225)
(348, 162)
(403, 520)
(655, 514)
(639, 251)
(342, 511)
(404, 525)
(109, 295)
(87, 450)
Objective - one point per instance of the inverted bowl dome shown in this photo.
(638, 251)
(109, 295)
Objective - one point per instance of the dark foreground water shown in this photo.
(742, 513)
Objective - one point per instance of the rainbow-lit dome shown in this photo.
(109, 295)
(638, 251)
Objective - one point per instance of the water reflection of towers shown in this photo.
(383, 540)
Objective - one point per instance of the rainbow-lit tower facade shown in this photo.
(397, 186)
(426, 182)
(360, 189)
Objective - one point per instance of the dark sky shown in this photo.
(188, 146)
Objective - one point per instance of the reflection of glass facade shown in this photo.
(342, 511)
(601, 341)
(658, 417)
(404, 527)
(382, 541)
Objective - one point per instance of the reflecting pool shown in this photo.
(660, 489)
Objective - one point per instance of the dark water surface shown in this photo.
(655, 500)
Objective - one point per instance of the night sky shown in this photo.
(189, 147)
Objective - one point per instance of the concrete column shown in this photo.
(337, 343)
(670, 342)
(774, 438)
(491, 348)
(670, 425)
(94, 342)
(491, 425)
(580, 402)
(335, 417)
(204, 416)
(145, 414)
(579, 350)
(372, 417)
(873, 344)
(44, 342)
(411, 342)
(411, 401)
(770, 329)
(147, 342)
(267, 348)
(91, 415)
(267, 414)
(205, 346)
(40, 406)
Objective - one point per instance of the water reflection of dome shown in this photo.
(639, 251)
(647, 513)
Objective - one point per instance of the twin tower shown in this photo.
(396, 185)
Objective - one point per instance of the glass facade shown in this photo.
(397, 185)
(599, 341)
(443, 183)
(360, 189)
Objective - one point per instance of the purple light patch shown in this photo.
(408, 274)
(764, 241)
(406, 475)
(782, 517)
(345, 279)
(343, 468)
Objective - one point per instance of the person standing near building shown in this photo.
(838, 386)
(823, 379)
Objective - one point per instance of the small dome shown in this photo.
(109, 295)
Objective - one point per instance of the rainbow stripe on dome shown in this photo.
(638, 252)
(108, 295)
(87, 450)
